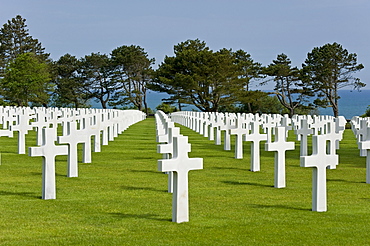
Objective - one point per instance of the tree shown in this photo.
(196, 75)
(256, 101)
(70, 88)
(328, 69)
(367, 112)
(97, 74)
(250, 70)
(15, 40)
(26, 80)
(132, 72)
(166, 108)
(288, 86)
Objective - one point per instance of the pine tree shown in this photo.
(15, 40)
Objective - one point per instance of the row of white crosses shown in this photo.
(361, 128)
(247, 127)
(176, 163)
(105, 124)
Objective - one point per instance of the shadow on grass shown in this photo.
(139, 216)
(145, 158)
(229, 168)
(145, 171)
(246, 183)
(56, 174)
(346, 181)
(278, 206)
(25, 194)
(142, 188)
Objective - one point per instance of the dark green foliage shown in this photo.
(166, 108)
(15, 40)
(288, 87)
(132, 71)
(71, 90)
(24, 66)
(97, 72)
(260, 102)
(26, 80)
(206, 79)
(328, 69)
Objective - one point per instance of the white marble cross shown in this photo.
(105, 125)
(180, 164)
(333, 136)
(22, 126)
(365, 145)
(255, 137)
(285, 122)
(280, 145)
(212, 120)
(6, 133)
(218, 124)
(302, 134)
(9, 117)
(96, 119)
(167, 151)
(87, 131)
(319, 160)
(228, 124)
(362, 135)
(206, 123)
(48, 150)
(268, 126)
(39, 124)
(239, 131)
(73, 137)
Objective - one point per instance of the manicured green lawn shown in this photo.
(121, 198)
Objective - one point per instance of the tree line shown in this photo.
(210, 80)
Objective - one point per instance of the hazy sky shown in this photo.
(263, 28)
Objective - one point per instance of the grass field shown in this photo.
(121, 198)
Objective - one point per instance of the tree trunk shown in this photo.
(335, 110)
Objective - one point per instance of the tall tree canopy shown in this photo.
(15, 40)
(206, 79)
(328, 69)
(26, 80)
(132, 73)
(70, 90)
(96, 70)
(288, 86)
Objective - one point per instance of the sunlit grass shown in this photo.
(121, 198)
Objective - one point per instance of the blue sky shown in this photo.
(263, 28)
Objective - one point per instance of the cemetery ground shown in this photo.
(121, 199)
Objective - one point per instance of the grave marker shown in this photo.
(302, 134)
(365, 145)
(319, 160)
(255, 137)
(48, 150)
(280, 145)
(167, 151)
(180, 164)
(73, 137)
(239, 131)
(22, 126)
